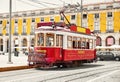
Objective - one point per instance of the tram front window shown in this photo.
(49, 39)
(41, 39)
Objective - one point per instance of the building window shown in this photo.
(24, 14)
(1, 22)
(42, 13)
(61, 18)
(16, 30)
(96, 26)
(109, 14)
(16, 21)
(96, 8)
(42, 19)
(7, 29)
(52, 12)
(98, 41)
(32, 29)
(52, 19)
(7, 21)
(33, 19)
(24, 20)
(109, 25)
(72, 17)
(110, 41)
(96, 15)
(109, 7)
(84, 16)
(24, 29)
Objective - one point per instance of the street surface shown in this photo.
(102, 71)
(19, 60)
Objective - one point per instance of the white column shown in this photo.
(4, 44)
(20, 42)
(103, 42)
(29, 40)
(12, 44)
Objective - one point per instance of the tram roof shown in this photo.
(61, 30)
(64, 26)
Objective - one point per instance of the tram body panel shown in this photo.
(52, 54)
(70, 55)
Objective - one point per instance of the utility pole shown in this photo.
(10, 11)
(81, 8)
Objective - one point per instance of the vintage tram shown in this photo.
(58, 45)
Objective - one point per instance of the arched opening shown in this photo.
(7, 45)
(110, 40)
(1, 44)
(98, 41)
(24, 42)
(32, 42)
(16, 44)
(119, 41)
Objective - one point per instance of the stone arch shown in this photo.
(119, 41)
(1, 44)
(16, 44)
(32, 42)
(110, 40)
(24, 42)
(98, 41)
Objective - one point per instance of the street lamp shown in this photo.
(10, 11)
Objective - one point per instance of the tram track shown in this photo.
(54, 75)
(82, 75)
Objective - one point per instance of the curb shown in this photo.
(15, 68)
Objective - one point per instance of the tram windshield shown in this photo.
(49, 39)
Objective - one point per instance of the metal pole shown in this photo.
(81, 8)
(10, 11)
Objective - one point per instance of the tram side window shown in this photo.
(49, 39)
(91, 44)
(69, 43)
(83, 44)
(59, 40)
(87, 43)
(75, 42)
(40, 39)
(79, 42)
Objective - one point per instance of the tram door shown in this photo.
(59, 42)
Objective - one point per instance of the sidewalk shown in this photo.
(17, 62)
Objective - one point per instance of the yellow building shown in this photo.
(102, 19)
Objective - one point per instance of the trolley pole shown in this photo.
(10, 11)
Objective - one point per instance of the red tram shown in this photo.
(57, 45)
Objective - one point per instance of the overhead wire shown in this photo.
(43, 2)
(27, 3)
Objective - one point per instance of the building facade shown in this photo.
(102, 19)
